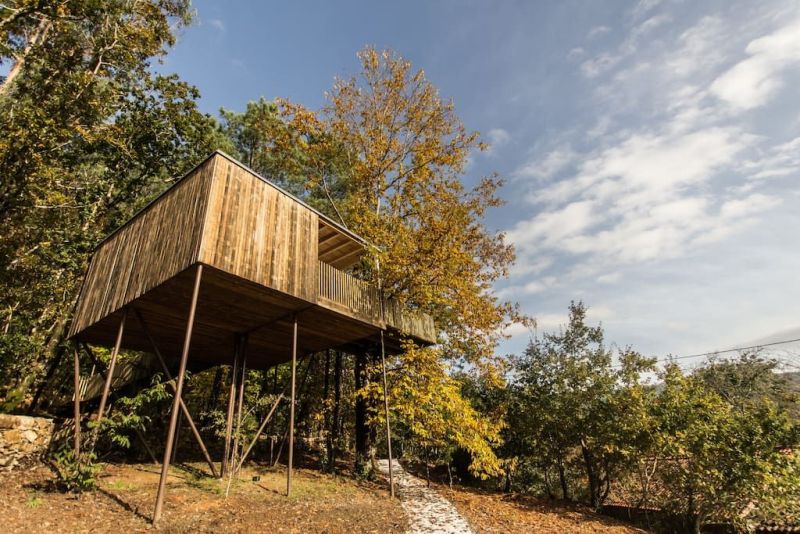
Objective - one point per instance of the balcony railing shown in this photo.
(342, 292)
(357, 298)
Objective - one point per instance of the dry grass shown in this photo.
(124, 502)
(500, 513)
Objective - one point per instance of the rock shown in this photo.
(23, 439)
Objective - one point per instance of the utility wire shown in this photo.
(736, 349)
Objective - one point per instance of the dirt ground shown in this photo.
(125, 497)
(320, 503)
(490, 513)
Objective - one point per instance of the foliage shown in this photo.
(719, 457)
(134, 413)
(433, 415)
(385, 156)
(89, 134)
(571, 406)
(76, 474)
(712, 445)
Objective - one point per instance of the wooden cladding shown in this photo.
(418, 325)
(225, 216)
(336, 248)
(160, 242)
(341, 292)
(260, 233)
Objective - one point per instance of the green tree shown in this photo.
(570, 405)
(719, 458)
(89, 134)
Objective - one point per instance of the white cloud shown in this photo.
(779, 161)
(547, 166)
(604, 62)
(550, 322)
(576, 53)
(644, 6)
(610, 278)
(217, 24)
(596, 66)
(670, 196)
(753, 81)
(497, 137)
(550, 228)
(597, 31)
(647, 166)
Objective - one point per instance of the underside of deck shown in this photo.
(227, 306)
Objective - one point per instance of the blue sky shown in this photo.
(652, 148)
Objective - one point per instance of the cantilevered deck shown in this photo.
(267, 256)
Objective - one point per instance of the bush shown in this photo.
(76, 474)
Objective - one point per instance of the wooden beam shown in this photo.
(173, 421)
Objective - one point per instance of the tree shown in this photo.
(385, 157)
(571, 406)
(747, 379)
(432, 414)
(720, 458)
(89, 134)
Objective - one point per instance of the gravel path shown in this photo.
(427, 511)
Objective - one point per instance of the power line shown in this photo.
(736, 349)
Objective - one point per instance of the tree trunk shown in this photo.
(37, 38)
(361, 430)
(216, 384)
(48, 377)
(333, 431)
(450, 478)
(562, 477)
(548, 488)
(591, 476)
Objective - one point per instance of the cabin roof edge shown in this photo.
(235, 161)
(328, 220)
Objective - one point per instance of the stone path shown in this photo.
(427, 511)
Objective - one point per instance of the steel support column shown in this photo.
(110, 375)
(231, 409)
(168, 376)
(291, 409)
(173, 421)
(240, 401)
(77, 407)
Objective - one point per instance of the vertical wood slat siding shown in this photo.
(225, 216)
(259, 233)
(157, 244)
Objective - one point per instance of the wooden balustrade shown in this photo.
(357, 298)
(340, 291)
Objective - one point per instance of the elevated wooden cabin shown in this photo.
(226, 268)
(267, 257)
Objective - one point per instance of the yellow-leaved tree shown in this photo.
(386, 156)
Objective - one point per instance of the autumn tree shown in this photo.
(386, 157)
